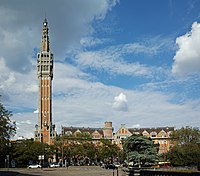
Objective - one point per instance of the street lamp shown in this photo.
(198, 163)
(62, 153)
(7, 160)
(41, 158)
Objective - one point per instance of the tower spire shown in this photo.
(45, 37)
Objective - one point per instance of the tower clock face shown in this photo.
(45, 24)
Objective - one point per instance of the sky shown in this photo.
(132, 62)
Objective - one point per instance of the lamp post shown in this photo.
(62, 153)
(41, 158)
(7, 160)
(198, 163)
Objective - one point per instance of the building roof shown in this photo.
(82, 130)
(149, 130)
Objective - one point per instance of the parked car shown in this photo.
(110, 166)
(155, 166)
(54, 165)
(117, 164)
(102, 165)
(46, 165)
(34, 166)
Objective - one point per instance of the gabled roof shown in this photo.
(149, 130)
(82, 130)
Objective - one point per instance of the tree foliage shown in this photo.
(140, 150)
(7, 129)
(80, 148)
(186, 149)
(29, 150)
(107, 151)
(75, 147)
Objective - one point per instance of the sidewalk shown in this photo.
(71, 171)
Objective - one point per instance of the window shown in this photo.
(68, 133)
(153, 134)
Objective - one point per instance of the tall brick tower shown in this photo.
(108, 130)
(45, 130)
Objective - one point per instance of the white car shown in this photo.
(54, 165)
(34, 166)
(117, 164)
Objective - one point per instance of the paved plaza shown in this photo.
(71, 171)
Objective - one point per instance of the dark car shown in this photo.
(46, 164)
(110, 166)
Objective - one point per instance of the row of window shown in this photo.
(78, 131)
(45, 62)
(44, 68)
(45, 98)
(76, 142)
(45, 85)
(155, 134)
(46, 112)
(152, 135)
(44, 55)
(121, 137)
(46, 78)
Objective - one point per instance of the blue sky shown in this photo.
(133, 62)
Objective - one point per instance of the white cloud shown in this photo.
(32, 88)
(36, 111)
(120, 103)
(7, 78)
(136, 126)
(18, 89)
(187, 58)
(110, 61)
(91, 41)
(26, 122)
(21, 27)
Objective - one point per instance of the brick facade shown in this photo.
(45, 130)
(160, 135)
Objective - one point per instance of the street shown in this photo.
(71, 171)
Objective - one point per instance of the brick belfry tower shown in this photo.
(45, 130)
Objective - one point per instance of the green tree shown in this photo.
(140, 150)
(186, 149)
(7, 129)
(79, 147)
(29, 150)
(107, 151)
